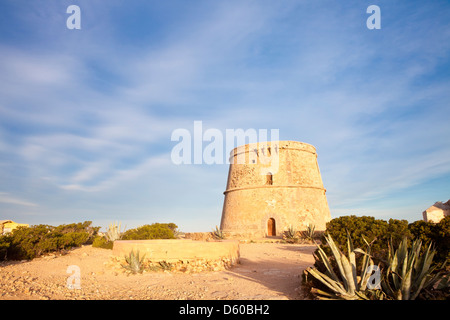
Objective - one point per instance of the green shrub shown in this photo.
(84, 227)
(27, 243)
(151, 231)
(4, 245)
(381, 232)
(423, 231)
(102, 242)
(31, 242)
(375, 231)
(438, 233)
(442, 240)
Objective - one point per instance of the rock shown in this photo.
(219, 294)
(437, 212)
(272, 272)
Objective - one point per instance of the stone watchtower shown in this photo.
(272, 186)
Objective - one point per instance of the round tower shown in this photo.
(271, 187)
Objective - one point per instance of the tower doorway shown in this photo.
(271, 228)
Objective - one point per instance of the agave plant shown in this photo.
(217, 233)
(134, 262)
(113, 233)
(409, 271)
(309, 232)
(290, 233)
(347, 285)
(164, 265)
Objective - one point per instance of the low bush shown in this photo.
(102, 242)
(30, 242)
(4, 245)
(381, 232)
(375, 231)
(438, 233)
(151, 231)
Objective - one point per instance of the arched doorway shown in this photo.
(271, 228)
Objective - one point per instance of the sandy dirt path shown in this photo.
(266, 271)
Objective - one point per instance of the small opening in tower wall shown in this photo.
(271, 228)
(269, 179)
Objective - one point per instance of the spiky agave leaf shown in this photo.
(409, 271)
(113, 233)
(134, 262)
(440, 279)
(341, 260)
(310, 229)
(352, 258)
(290, 232)
(367, 261)
(335, 286)
(326, 261)
(346, 286)
(423, 271)
(217, 233)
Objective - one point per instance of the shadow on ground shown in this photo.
(279, 268)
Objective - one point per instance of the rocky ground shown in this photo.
(266, 271)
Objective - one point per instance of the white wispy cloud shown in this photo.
(7, 198)
(148, 166)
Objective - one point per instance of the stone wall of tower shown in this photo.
(287, 189)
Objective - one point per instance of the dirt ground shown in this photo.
(266, 271)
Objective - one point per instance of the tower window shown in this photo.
(269, 179)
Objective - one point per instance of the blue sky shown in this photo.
(86, 115)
